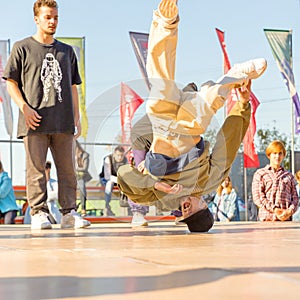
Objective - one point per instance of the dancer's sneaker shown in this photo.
(40, 221)
(74, 220)
(138, 220)
(252, 68)
(168, 10)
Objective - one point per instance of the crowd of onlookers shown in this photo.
(275, 191)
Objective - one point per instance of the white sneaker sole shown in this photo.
(41, 226)
(259, 65)
(145, 224)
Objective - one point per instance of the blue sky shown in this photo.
(110, 58)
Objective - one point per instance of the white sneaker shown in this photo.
(168, 10)
(40, 221)
(74, 220)
(138, 220)
(252, 68)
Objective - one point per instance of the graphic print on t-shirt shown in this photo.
(51, 76)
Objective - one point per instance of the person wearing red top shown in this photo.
(274, 188)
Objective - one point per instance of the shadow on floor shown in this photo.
(36, 288)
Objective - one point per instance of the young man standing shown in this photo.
(274, 188)
(42, 75)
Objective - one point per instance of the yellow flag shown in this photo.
(78, 45)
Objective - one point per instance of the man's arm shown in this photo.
(76, 110)
(140, 187)
(32, 118)
(285, 214)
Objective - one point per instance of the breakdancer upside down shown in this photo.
(179, 169)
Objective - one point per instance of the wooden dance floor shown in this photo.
(112, 261)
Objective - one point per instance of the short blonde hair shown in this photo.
(39, 3)
(275, 146)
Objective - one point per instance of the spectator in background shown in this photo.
(296, 215)
(108, 175)
(252, 209)
(8, 205)
(225, 206)
(274, 188)
(82, 162)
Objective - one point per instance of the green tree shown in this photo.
(266, 136)
(211, 134)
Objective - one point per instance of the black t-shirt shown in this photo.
(45, 75)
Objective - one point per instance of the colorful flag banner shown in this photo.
(78, 45)
(139, 43)
(4, 96)
(280, 42)
(130, 101)
(251, 159)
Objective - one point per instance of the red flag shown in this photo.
(130, 101)
(233, 97)
(250, 155)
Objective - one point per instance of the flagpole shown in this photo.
(246, 193)
(292, 138)
(10, 137)
(292, 119)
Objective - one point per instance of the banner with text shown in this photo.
(129, 103)
(140, 46)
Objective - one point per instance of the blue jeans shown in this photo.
(109, 186)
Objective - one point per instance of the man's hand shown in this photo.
(244, 92)
(77, 129)
(32, 118)
(283, 214)
(169, 189)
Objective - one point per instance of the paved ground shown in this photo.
(112, 261)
